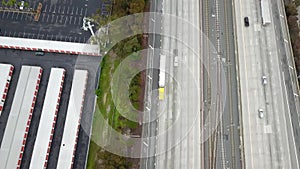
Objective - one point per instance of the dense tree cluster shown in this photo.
(292, 17)
(111, 161)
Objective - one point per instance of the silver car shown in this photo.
(261, 113)
(264, 80)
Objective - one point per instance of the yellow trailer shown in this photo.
(161, 93)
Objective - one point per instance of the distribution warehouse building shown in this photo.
(17, 127)
(20, 116)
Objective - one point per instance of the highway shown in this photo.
(223, 148)
(178, 141)
(288, 68)
(150, 126)
(268, 141)
(242, 138)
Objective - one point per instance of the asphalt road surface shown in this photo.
(151, 94)
(223, 148)
(178, 141)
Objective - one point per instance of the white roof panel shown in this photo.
(6, 71)
(69, 139)
(45, 131)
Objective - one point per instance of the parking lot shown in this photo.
(60, 20)
(69, 62)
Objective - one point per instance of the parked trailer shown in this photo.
(6, 71)
(15, 135)
(265, 12)
(40, 154)
(72, 124)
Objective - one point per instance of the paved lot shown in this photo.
(69, 62)
(60, 20)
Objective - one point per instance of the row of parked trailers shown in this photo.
(17, 127)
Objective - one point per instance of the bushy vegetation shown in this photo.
(99, 158)
(12, 3)
(119, 9)
(291, 13)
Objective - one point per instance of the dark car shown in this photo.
(246, 20)
(39, 52)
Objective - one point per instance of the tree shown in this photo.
(291, 9)
(293, 27)
(4, 3)
(112, 161)
(136, 6)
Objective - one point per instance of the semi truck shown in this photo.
(162, 77)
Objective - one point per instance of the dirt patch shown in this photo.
(104, 98)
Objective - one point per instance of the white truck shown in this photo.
(265, 12)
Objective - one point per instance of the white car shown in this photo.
(22, 5)
(261, 113)
(264, 80)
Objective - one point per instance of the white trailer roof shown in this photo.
(15, 135)
(6, 71)
(45, 131)
(72, 124)
(265, 11)
(162, 69)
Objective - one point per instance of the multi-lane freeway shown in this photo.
(244, 138)
(268, 140)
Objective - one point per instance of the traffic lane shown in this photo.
(244, 85)
(274, 62)
(284, 55)
(277, 89)
(148, 162)
(259, 41)
(253, 71)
